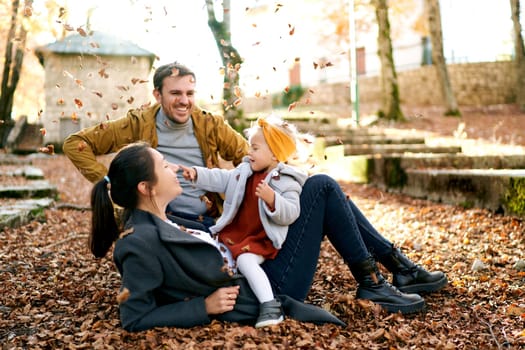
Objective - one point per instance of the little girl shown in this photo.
(261, 201)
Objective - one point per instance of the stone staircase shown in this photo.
(420, 164)
(24, 193)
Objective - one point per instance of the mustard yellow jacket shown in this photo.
(214, 136)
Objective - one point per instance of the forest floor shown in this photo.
(54, 294)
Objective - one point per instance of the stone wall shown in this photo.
(485, 83)
(85, 90)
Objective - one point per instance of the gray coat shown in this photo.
(168, 274)
(286, 181)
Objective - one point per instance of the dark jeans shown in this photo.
(196, 222)
(325, 210)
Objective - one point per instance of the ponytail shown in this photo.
(104, 228)
(132, 164)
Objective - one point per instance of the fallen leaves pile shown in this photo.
(54, 294)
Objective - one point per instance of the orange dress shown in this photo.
(246, 233)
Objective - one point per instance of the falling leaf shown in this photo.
(291, 106)
(49, 149)
(43, 131)
(237, 91)
(103, 73)
(123, 296)
(81, 146)
(81, 31)
(138, 81)
(114, 106)
(78, 103)
(28, 11)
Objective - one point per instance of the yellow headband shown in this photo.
(281, 144)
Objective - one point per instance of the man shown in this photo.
(180, 130)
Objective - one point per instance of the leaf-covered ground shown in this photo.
(54, 294)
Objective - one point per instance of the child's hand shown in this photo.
(266, 193)
(189, 173)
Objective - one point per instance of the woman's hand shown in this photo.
(189, 173)
(222, 300)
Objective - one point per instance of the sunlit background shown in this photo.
(269, 40)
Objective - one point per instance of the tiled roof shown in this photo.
(96, 43)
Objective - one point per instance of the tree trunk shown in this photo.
(231, 61)
(519, 56)
(390, 107)
(438, 58)
(14, 56)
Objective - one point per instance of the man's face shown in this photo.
(177, 97)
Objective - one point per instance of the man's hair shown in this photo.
(168, 70)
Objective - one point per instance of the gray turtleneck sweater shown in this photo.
(178, 144)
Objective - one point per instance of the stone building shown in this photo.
(90, 79)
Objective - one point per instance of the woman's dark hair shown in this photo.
(168, 70)
(132, 164)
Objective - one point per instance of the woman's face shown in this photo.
(260, 155)
(167, 186)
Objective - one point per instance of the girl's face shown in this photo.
(260, 155)
(167, 186)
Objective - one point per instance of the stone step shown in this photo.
(28, 172)
(371, 139)
(389, 171)
(31, 189)
(398, 149)
(19, 212)
(499, 190)
(10, 159)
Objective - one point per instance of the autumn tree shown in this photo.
(14, 56)
(519, 56)
(390, 104)
(231, 61)
(438, 58)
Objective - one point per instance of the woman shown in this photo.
(171, 276)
